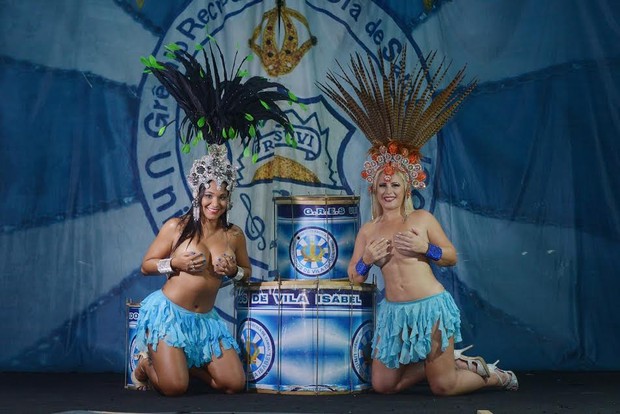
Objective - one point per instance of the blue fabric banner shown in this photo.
(523, 179)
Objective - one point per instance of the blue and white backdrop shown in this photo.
(524, 179)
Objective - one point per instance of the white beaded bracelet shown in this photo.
(164, 266)
(239, 275)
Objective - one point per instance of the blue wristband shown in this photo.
(433, 252)
(362, 268)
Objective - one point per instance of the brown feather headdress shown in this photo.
(396, 111)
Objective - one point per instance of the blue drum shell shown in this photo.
(306, 337)
(131, 355)
(315, 236)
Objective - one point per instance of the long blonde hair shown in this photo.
(377, 211)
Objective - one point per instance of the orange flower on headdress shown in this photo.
(421, 176)
(364, 174)
(389, 169)
(414, 158)
(393, 147)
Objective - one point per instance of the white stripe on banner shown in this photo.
(87, 36)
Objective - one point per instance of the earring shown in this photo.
(372, 206)
(196, 208)
(228, 208)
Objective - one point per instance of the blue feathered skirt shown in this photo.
(198, 334)
(403, 329)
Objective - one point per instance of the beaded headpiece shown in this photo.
(394, 158)
(212, 167)
(395, 112)
(219, 106)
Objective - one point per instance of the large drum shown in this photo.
(131, 353)
(307, 337)
(315, 236)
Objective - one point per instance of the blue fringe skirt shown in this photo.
(201, 335)
(403, 329)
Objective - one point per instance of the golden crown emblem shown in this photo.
(280, 60)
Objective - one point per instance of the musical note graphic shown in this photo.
(254, 225)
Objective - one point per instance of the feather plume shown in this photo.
(390, 105)
(219, 105)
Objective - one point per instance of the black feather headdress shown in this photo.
(219, 105)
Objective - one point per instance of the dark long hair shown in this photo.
(193, 228)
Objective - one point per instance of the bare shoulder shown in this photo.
(235, 231)
(367, 228)
(172, 225)
(421, 216)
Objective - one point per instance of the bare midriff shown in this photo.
(406, 278)
(409, 278)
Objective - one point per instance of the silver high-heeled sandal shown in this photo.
(475, 364)
(510, 384)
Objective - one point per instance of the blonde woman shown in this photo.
(417, 322)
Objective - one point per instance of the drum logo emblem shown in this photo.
(256, 348)
(361, 351)
(133, 354)
(313, 251)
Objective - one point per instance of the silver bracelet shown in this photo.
(239, 275)
(164, 267)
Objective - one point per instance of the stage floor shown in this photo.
(540, 392)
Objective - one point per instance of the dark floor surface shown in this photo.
(540, 392)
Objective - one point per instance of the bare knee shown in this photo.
(172, 388)
(383, 387)
(230, 385)
(235, 386)
(442, 386)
